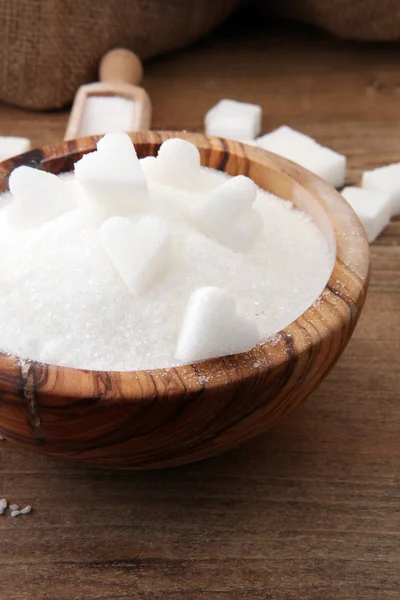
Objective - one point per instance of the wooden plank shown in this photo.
(310, 511)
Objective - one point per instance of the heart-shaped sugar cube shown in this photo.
(139, 251)
(177, 165)
(112, 175)
(227, 214)
(212, 328)
(38, 197)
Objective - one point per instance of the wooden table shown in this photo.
(312, 509)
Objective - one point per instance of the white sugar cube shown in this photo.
(305, 151)
(284, 139)
(11, 146)
(227, 215)
(139, 251)
(177, 165)
(373, 209)
(212, 328)
(234, 120)
(26, 510)
(112, 175)
(387, 180)
(38, 197)
(326, 163)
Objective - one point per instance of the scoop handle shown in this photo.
(121, 66)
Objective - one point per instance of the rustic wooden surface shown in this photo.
(309, 511)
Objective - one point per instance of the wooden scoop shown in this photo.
(116, 103)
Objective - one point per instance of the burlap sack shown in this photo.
(48, 48)
(374, 20)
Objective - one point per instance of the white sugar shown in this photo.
(11, 146)
(234, 120)
(305, 151)
(372, 207)
(211, 327)
(103, 114)
(63, 300)
(387, 181)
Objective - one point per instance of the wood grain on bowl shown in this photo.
(164, 417)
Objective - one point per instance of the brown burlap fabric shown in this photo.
(48, 48)
(375, 20)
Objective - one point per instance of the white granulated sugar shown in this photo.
(3, 503)
(63, 300)
(11, 146)
(13, 507)
(386, 180)
(103, 114)
(15, 513)
(234, 120)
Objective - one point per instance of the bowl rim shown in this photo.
(341, 299)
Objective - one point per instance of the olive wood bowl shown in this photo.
(164, 417)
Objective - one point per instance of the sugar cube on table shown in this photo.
(234, 120)
(386, 180)
(373, 208)
(139, 251)
(177, 165)
(112, 175)
(38, 197)
(211, 327)
(305, 151)
(227, 214)
(26, 510)
(11, 146)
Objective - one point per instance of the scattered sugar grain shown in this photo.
(26, 510)
(13, 507)
(15, 513)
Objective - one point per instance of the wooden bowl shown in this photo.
(164, 417)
